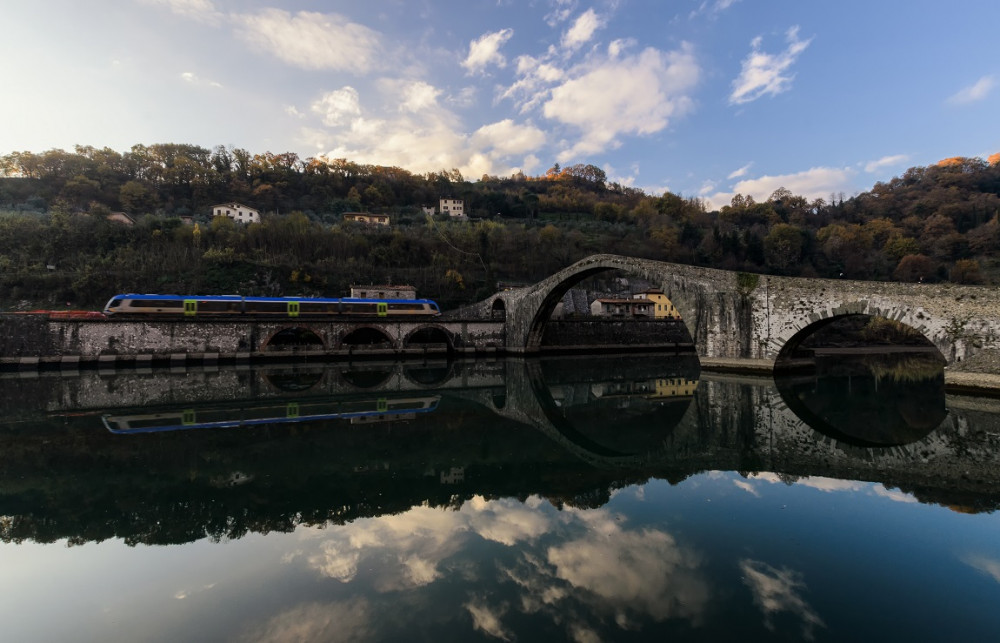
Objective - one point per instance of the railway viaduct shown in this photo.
(728, 315)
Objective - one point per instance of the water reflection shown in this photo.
(565, 499)
(869, 398)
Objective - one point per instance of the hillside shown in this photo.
(936, 223)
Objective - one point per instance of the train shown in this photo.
(365, 411)
(216, 305)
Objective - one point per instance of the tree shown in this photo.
(135, 197)
(966, 271)
(915, 268)
(783, 247)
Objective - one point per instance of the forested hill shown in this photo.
(935, 223)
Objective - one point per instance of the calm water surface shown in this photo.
(539, 500)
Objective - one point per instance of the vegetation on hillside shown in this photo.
(931, 224)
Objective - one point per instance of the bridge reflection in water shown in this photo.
(563, 428)
(552, 499)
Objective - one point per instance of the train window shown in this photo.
(268, 307)
(214, 306)
(154, 303)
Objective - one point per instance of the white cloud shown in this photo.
(746, 486)
(487, 618)
(893, 494)
(764, 73)
(192, 78)
(886, 161)
(200, 10)
(338, 107)
(485, 50)
(713, 9)
(975, 92)
(508, 138)
(411, 95)
(740, 172)
(411, 546)
(464, 98)
(984, 564)
(618, 47)
(815, 183)
(582, 30)
(633, 95)
(347, 621)
(312, 40)
(416, 132)
(643, 571)
(830, 485)
(779, 590)
(536, 75)
(561, 11)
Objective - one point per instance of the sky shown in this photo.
(702, 98)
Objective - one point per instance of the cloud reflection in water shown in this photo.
(583, 570)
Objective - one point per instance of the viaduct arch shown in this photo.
(744, 315)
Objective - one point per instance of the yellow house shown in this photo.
(662, 307)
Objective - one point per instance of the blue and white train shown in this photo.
(216, 305)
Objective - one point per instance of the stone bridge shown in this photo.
(745, 315)
(727, 314)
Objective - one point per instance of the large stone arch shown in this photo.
(700, 294)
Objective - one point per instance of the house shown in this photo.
(236, 212)
(622, 308)
(364, 217)
(611, 307)
(121, 217)
(428, 210)
(384, 292)
(453, 207)
(662, 307)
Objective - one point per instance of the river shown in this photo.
(576, 499)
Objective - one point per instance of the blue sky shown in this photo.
(703, 98)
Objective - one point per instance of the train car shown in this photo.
(207, 417)
(211, 305)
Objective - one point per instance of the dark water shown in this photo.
(572, 499)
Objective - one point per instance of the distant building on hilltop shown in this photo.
(453, 207)
(121, 217)
(384, 292)
(236, 212)
(365, 217)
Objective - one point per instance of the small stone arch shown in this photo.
(429, 335)
(366, 337)
(786, 344)
(430, 375)
(291, 338)
(498, 310)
